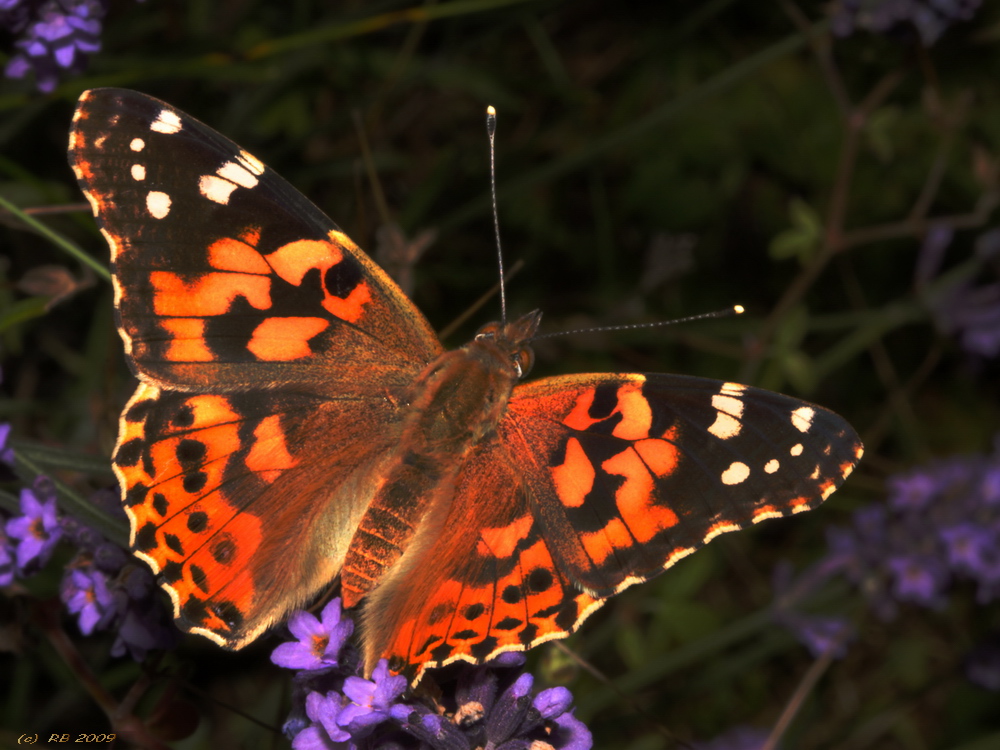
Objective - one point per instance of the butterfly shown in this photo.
(298, 421)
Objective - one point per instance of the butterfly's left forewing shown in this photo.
(227, 277)
(594, 483)
(272, 352)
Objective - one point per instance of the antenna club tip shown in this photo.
(490, 111)
(739, 309)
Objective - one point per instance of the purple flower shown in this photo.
(973, 312)
(6, 452)
(37, 529)
(912, 492)
(55, 38)
(487, 706)
(964, 309)
(989, 488)
(824, 635)
(8, 559)
(918, 579)
(941, 524)
(371, 700)
(108, 590)
(970, 547)
(555, 705)
(433, 730)
(929, 18)
(324, 732)
(87, 595)
(510, 711)
(319, 641)
(143, 627)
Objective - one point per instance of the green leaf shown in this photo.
(879, 132)
(802, 240)
(22, 311)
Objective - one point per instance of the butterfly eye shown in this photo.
(523, 360)
(488, 331)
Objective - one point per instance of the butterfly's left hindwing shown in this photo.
(237, 506)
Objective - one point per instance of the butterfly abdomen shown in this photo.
(457, 400)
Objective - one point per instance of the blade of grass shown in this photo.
(75, 504)
(57, 239)
(49, 459)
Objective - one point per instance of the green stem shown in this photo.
(57, 239)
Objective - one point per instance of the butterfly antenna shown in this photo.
(491, 129)
(724, 313)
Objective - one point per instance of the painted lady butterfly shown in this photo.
(298, 420)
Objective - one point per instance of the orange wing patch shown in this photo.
(293, 261)
(285, 339)
(207, 295)
(574, 477)
(187, 340)
(269, 457)
(238, 255)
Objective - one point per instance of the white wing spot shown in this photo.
(771, 466)
(727, 420)
(235, 173)
(252, 163)
(138, 172)
(158, 204)
(137, 144)
(166, 122)
(802, 418)
(736, 473)
(216, 189)
(99, 141)
(725, 426)
(796, 449)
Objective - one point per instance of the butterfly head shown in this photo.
(513, 338)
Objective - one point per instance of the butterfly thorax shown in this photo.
(459, 399)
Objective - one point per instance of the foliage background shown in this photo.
(654, 160)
